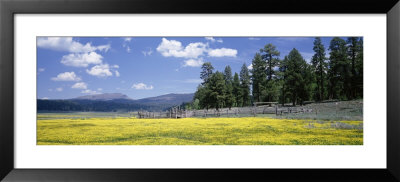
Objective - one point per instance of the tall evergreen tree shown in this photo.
(217, 89)
(245, 83)
(258, 77)
(228, 74)
(229, 99)
(206, 71)
(282, 78)
(237, 91)
(359, 69)
(320, 67)
(339, 70)
(297, 79)
(202, 94)
(353, 54)
(270, 54)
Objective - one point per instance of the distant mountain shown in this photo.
(114, 102)
(174, 99)
(104, 97)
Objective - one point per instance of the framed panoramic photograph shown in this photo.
(199, 91)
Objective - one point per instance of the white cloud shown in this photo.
(214, 40)
(80, 85)
(82, 59)
(117, 73)
(67, 76)
(41, 69)
(101, 70)
(99, 89)
(115, 66)
(104, 48)
(222, 52)
(91, 92)
(127, 48)
(125, 44)
(193, 81)
(59, 89)
(142, 86)
(250, 67)
(193, 63)
(45, 98)
(174, 48)
(147, 53)
(254, 38)
(68, 44)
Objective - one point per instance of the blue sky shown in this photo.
(140, 67)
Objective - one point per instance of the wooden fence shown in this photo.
(226, 112)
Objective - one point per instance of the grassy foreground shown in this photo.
(197, 131)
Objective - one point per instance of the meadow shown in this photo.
(112, 129)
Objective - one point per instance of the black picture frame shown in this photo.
(9, 8)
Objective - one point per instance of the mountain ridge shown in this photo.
(113, 102)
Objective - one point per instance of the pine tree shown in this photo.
(354, 52)
(359, 69)
(245, 85)
(229, 99)
(282, 78)
(207, 71)
(217, 89)
(269, 54)
(297, 77)
(258, 77)
(339, 70)
(319, 67)
(202, 94)
(237, 91)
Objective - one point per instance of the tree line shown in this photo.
(338, 76)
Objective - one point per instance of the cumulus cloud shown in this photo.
(222, 52)
(211, 39)
(142, 86)
(127, 39)
(82, 59)
(59, 89)
(45, 98)
(193, 63)
(193, 52)
(173, 48)
(68, 44)
(101, 70)
(66, 76)
(91, 92)
(80, 85)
